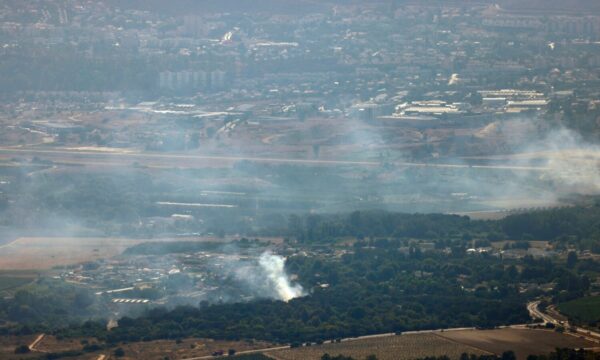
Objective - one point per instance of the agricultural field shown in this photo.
(586, 309)
(186, 348)
(523, 342)
(398, 347)
(151, 350)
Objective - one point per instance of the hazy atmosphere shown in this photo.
(275, 179)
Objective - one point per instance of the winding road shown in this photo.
(536, 313)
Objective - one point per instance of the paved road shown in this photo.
(126, 158)
(535, 312)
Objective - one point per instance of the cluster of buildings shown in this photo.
(350, 49)
(134, 280)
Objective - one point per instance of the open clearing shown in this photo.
(187, 348)
(452, 343)
(9, 343)
(150, 350)
(50, 344)
(394, 347)
(47, 252)
(523, 342)
(399, 347)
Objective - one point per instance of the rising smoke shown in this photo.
(274, 268)
(573, 164)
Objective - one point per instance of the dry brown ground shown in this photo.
(188, 348)
(51, 344)
(9, 343)
(522, 341)
(402, 347)
(152, 350)
(46, 252)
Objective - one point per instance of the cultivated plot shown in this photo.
(523, 342)
(400, 347)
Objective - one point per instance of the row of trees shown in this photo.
(578, 226)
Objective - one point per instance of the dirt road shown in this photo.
(36, 342)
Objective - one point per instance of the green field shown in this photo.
(12, 279)
(586, 309)
(7, 283)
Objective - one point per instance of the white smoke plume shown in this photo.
(274, 267)
(573, 164)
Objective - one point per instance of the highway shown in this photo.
(127, 158)
(535, 312)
